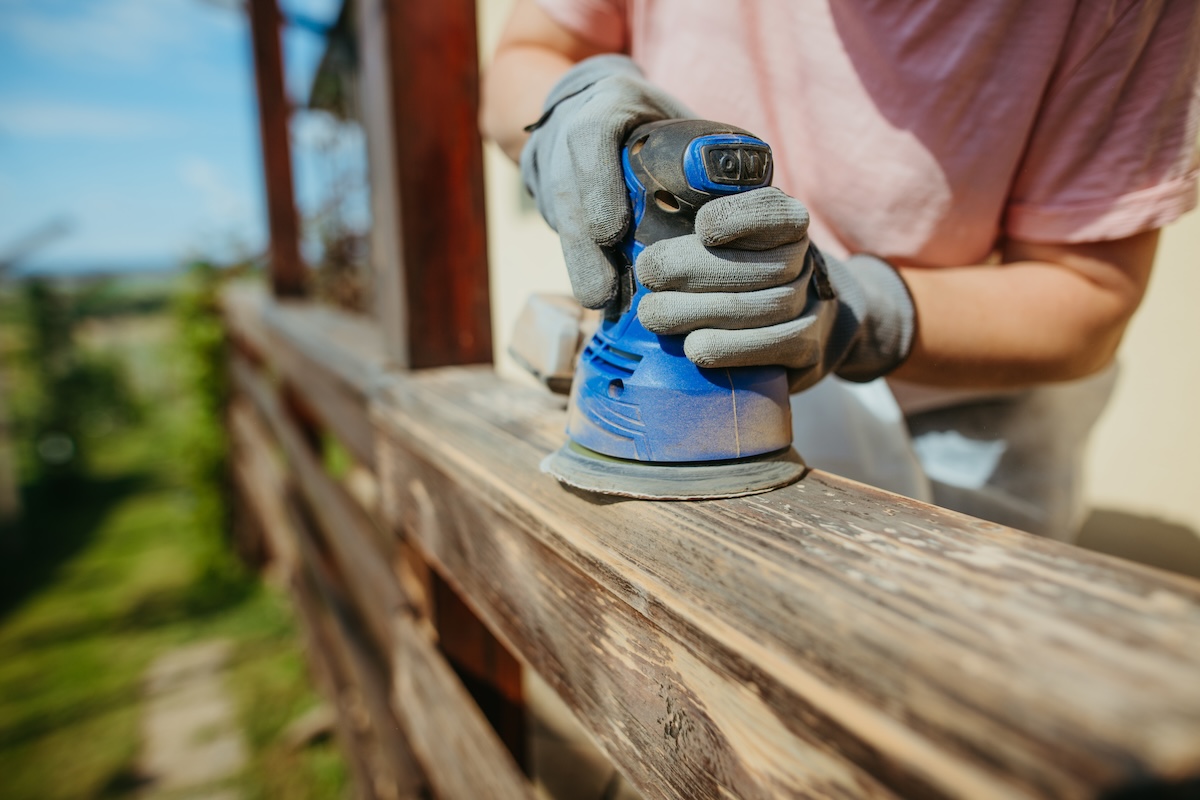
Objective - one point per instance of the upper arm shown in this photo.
(533, 52)
(529, 26)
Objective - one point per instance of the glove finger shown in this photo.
(756, 220)
(593, 277)
(788, 345)
(683, 312)
(594, 141)
(685, 264)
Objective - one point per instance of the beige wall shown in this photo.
(1145, 457)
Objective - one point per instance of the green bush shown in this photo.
(75, 395)
(202, 354)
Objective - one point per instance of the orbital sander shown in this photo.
(644, 421)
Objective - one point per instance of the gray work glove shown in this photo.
(572, 163)
(748, 289)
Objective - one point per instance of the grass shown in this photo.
(109, 571)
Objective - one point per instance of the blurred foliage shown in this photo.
(107, 296)
(338, 277)
(336, 245)
(202, 351)
(131, 558)
(75, 396)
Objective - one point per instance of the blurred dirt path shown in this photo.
(191, 745)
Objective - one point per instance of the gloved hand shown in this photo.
(572, 163)
(748, 289)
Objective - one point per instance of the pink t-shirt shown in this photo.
(925, 130)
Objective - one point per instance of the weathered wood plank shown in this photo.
(243, 306)
(463, 756)
(262, 483)
(461, 753)
(328, 356)
(333, 686)
(388, 767)
(490, 672)
(348, 347)
(824, 639)
(384, 767)
(346, 528)
(309, 348)
(386, 755)
(392, 765)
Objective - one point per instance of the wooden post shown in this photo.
(420, 88)
(287, 270)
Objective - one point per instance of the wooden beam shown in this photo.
(462, 755)
(328, 356)
(489, 671)
(380, 760)
(392, 766)
(287, 270)
(262, 483)
(420, 85)
(346, 528)
(823, 639)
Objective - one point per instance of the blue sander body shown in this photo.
(644, 421)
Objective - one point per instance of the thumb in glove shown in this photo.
(572, 164)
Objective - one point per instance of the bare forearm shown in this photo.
(1027, 321)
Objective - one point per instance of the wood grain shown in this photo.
(327, 356)
(381, 763)
(463, 757)
(392, 768)
(461, 753)
(346, 529)
(262, 482)
(825, 639)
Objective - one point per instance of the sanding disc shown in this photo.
(590, 471)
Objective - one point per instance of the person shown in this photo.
(982, 185)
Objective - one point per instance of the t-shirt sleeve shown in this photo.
(602, 22)
(1113, 151)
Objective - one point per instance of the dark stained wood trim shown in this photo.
(421, 99)
(288, 276)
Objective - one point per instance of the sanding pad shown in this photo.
(590, 471)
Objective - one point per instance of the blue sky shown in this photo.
(135, 120)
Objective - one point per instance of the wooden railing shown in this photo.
(823, 640)
(826, 639)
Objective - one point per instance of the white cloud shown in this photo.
(223, 204)
(46, 118)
